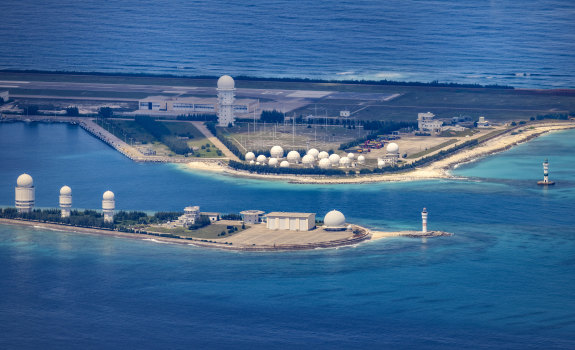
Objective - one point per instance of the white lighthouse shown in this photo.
(424, 221)
(226, 97)
(25, 194)
(545, 181)
(108, 206)
(65, 201)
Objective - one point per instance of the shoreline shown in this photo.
(439, 169)
(365, 236)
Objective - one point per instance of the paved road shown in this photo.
(208, 134)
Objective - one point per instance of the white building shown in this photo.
(426, 123)
(108, 206)
(191, 215)
(65, 201)
(213, 216)
(482, 123)
(344, 113)
(226, 97)
(25, 193)
(190, 105)
(290, 221)
(252, 216)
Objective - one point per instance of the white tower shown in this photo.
(226, 97)
(424, 220)
(65, 201)
(25, 196)
(546, 171)
(108, 206)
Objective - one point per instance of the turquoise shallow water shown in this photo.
(505, 280)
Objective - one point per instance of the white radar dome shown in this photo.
(380, 163)
(361, 160)
(324, 163)
(284, 164)
(261, 159)
(322, 155)
(25, 180)
(344, 161)
(250, 156)
(392, 148)
(351, 156)
(65, 191)
(273, 162)
(313, 152)
(293, 156)
(277, 152)
(334, 219)
(334, 159)
(252, 162)
(308, 159)
(226, 82)
(108, 195)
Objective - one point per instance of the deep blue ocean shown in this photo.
(529, 43)
(505, 280)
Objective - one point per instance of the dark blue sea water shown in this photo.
(529, 43)
(504, 281)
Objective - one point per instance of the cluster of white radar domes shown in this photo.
(324, 160)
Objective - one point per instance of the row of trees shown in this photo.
(163, 134)
(198, 117)
(272, 117)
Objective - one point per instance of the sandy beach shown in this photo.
(436, 170)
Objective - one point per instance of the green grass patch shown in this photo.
(432, 149)
(208, 232)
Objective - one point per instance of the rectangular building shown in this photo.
(290, 221)
(185, 105)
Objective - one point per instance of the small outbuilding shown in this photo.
(252, 216)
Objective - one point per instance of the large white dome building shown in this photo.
(226, 97)
(334, 221)
(392, 148)
(25, 195)
(361, 159)
(323, 155)
(277, 152)
(293, 157)
(313, 152)
(334, 159)
(324, 163)
(261, 159)
(284, 164)
(273, 162)
(308, 160)
(344, 162)
(250, 156)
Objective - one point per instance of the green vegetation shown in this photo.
(206, 232)
(272, 117)
(72, 111)
(452, 133)
(223, 137)
(431, 149)
(163, 134)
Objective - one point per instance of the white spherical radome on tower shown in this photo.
(225, 82)
(65, 191)
(25, 180)
(108, 195)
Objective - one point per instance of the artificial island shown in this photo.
(248, 230)
(297, 131)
